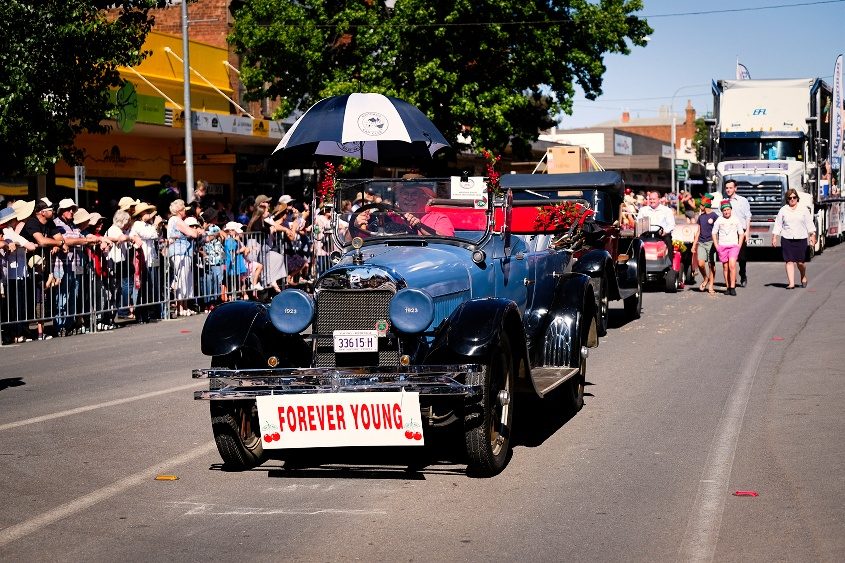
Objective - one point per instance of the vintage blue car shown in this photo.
(447, 306)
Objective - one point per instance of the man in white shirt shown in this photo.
(659, 216)
(741, 209)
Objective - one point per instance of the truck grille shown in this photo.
(351, 310)
(765, 198)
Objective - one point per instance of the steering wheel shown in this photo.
(396, 225)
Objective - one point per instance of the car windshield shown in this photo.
(419, 208)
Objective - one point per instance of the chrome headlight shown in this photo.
(291, 311)
(411, 310)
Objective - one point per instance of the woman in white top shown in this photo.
(794, 225)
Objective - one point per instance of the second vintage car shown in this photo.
(446, 308)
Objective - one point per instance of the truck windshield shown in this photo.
(761, 149)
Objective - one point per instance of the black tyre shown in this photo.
(634, 303)
(487, 423)
(602, 309)
(573, 390)
(671, 281)
(235, 428)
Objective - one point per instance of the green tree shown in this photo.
(500, 70)
(58, 62)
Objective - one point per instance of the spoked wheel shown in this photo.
(574, 388)
(487, 423)
(235, 428)
(603, 308)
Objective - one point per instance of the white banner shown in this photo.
(836, 114)
(313, 420)
(742, 71)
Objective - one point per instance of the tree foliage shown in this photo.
(500, 70)
(58, 62)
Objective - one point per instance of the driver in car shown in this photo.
(411, 214)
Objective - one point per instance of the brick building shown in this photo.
(639, 148)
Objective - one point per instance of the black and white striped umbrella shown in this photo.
(374, 127)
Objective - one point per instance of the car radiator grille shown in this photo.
(351, 310)
(765, 199)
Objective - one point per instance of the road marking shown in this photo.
(702, 531)
(32, 525)
(78, 410)
(213, 510)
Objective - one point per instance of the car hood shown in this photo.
(436, 270)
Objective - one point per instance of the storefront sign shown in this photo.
(622, 144)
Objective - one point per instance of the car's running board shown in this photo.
(548, 378)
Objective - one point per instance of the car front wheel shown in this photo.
(235, 428)
(488, 422)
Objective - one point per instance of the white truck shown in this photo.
(769, 136)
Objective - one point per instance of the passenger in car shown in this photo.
(413, 200)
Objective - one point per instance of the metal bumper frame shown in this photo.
(429, 381)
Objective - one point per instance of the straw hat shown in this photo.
(94, 218)
(81, 216)
(126, 202)
(23, 209)
(142, 208)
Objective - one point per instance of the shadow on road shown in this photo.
(11, 382)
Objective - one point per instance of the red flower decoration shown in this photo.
(493, 176)
(562, 216)
(325, 191)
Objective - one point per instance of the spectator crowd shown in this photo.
(65, 270)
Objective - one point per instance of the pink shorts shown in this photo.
(728, 252)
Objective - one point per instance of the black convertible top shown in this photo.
(605, 181)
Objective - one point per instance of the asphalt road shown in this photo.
(706, 395)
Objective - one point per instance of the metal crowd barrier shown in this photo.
(90, 289)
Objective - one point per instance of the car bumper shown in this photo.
(428, 381)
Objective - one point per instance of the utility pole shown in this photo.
(189, 121)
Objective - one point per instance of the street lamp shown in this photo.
(674, 128)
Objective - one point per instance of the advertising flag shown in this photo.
(836, 115)
(742, 71)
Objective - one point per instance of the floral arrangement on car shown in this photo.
(567, 219)
(325, 191)
(493, 176)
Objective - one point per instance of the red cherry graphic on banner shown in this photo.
(268, 438)
(417, 435)
(409, 434)
(276, 436)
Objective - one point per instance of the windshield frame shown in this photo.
(390, 193)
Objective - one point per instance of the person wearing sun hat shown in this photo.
(68, 267)
(182, 237)
(235, 250)
(702, 244)
(23, 209)
(728, 235)
(14, 264)
(147, 274)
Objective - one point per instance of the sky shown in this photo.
(695, 42)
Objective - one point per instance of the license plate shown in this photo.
(755, 242)
(326, 420)
(355, 341)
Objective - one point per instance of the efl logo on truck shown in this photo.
(340, 419)
(759, 111)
